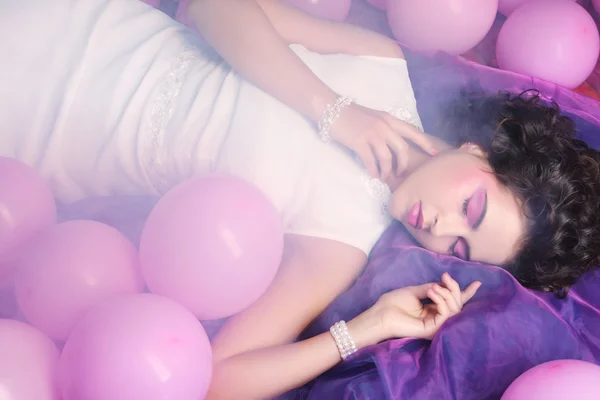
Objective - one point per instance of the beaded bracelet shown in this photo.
(343, 341)
(331, 113)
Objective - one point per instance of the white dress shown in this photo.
(109, 97)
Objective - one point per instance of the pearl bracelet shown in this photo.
(343, 341)
(331, 113)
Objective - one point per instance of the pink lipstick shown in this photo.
(415, 216)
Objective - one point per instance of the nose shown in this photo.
(449, 225)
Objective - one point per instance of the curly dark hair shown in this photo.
(533, 151)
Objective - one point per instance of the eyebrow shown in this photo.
(483, 213)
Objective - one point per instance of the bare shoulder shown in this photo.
(313, 273)
(371, 43)
(391, 49)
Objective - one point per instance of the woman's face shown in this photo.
(453, 204)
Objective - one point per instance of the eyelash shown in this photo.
(465, 206)
(465, 257)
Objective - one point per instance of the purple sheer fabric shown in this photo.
(437, 79)
(505, 330)
(501, 333)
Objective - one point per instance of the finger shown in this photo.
(384, 157)
(446, 294)
(442, 306)
(453, 286)
(421, 291)
(399, 149)
(470, 291)
(368, 159)
(411, 132)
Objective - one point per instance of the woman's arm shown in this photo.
(254, 354)
(254, 357)
(327, 37)
(253, 37)
(244, 36)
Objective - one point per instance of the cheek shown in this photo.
(446, 174)
(464, 178)
(447, 191)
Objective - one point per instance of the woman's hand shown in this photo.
(378, 139)
(401, 312)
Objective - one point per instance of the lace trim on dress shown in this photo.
(160, 116)
(405, 115)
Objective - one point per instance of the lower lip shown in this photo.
(414, 215)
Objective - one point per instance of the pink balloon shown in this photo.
(381, 4)
(28, 363)
(70, 269)
(26, 208)
(139, 346)
(8, 302)
(555, 40)
(507, 7)
(336, 10)
(557, 380)
(214, 244)
(452, 26)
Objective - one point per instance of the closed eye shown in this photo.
(475, 208)
(461, 249)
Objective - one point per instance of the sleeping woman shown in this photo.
(111, 97)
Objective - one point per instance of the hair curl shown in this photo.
(533, 151)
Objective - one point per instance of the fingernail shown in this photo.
(434, 151)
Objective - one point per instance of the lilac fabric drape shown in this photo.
(504, 330)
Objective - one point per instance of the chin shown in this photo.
(412, 232)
